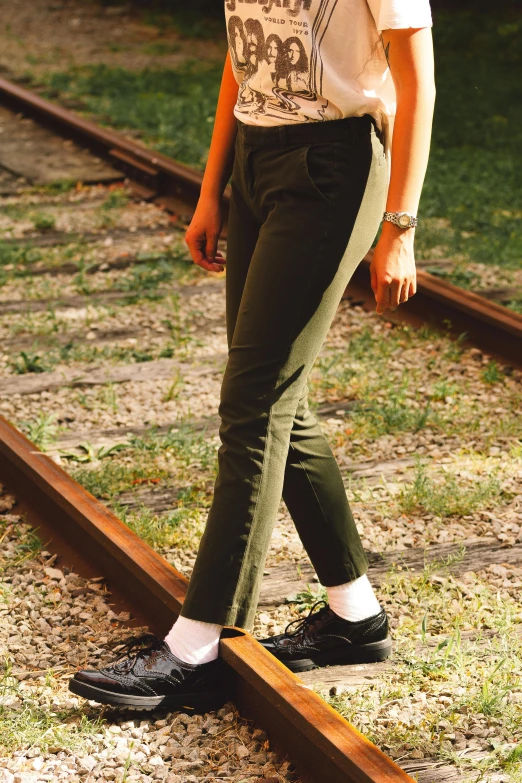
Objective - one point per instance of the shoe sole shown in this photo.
(205, 702)
(360, 653)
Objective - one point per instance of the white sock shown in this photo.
(354, 600)
(193, 641)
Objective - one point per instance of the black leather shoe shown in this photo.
(152, 677)
(325, 639)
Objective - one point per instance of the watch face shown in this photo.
(404, 220)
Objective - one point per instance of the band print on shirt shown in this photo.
(282, 71)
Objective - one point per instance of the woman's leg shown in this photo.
(318, 217)
(313, 488)
(315, 496)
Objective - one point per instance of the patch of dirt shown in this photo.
(58, 35)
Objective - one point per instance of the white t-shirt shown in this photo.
(314, 60)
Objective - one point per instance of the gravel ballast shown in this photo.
(53, 622)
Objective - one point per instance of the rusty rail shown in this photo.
(91, 540)
(176, 186)
(154, 175)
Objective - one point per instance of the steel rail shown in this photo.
(157, 174)
(175, 186)
(91, 540)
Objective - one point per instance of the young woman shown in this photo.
(310, 185)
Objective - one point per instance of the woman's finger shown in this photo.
(383, 297)
(395, 293)
(197, 246)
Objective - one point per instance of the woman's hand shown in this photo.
(392, 269)
(205, 227)
(203, 233)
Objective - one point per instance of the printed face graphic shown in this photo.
(252, 46)
(277, 79)
(238, 45)
(293, 53)
(272, 51)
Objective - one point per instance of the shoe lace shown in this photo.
(304, 625)
(133, 648)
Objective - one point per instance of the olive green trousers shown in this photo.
(307, 201)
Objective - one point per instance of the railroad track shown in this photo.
(92, 540)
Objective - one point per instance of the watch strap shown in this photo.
(394, 217)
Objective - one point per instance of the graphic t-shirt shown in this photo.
(315, 60)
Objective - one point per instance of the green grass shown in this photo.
(28, 545)
(29, 719)
(189, 22)
(469, 203)
(174, 108)
(43, 221)
(442, 683)
(161, 48)
(74, 352)
(42, 430)
(182, 459)
(385, 399)
(30, 716)
(14, 258)
(448, 496)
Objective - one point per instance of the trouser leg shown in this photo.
(315, 496)
(309, 242)
(313, 488)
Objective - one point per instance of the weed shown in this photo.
(80, 280)
(159, 531)
(391, 416)
(464, 278)
(117, 199)
(447, 497)
(42, 431)
(127, 763)
(145, 278)
(112, 479)
(57, 187)
(453, 352)
(28, 543)
(175, 387)
(15, 258)
(490, 699)
(43, 221)
(28, 720)
(442, 390)
(492, 373)
(306, 599)
(404, 711)
(28, 362)
(141, 356)
(88, 453)
(109, 396)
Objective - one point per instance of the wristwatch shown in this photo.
(401, 219)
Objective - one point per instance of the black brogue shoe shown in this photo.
(152, 677)
(325, 639)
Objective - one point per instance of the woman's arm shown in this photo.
(205, 227)
(410, 56)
